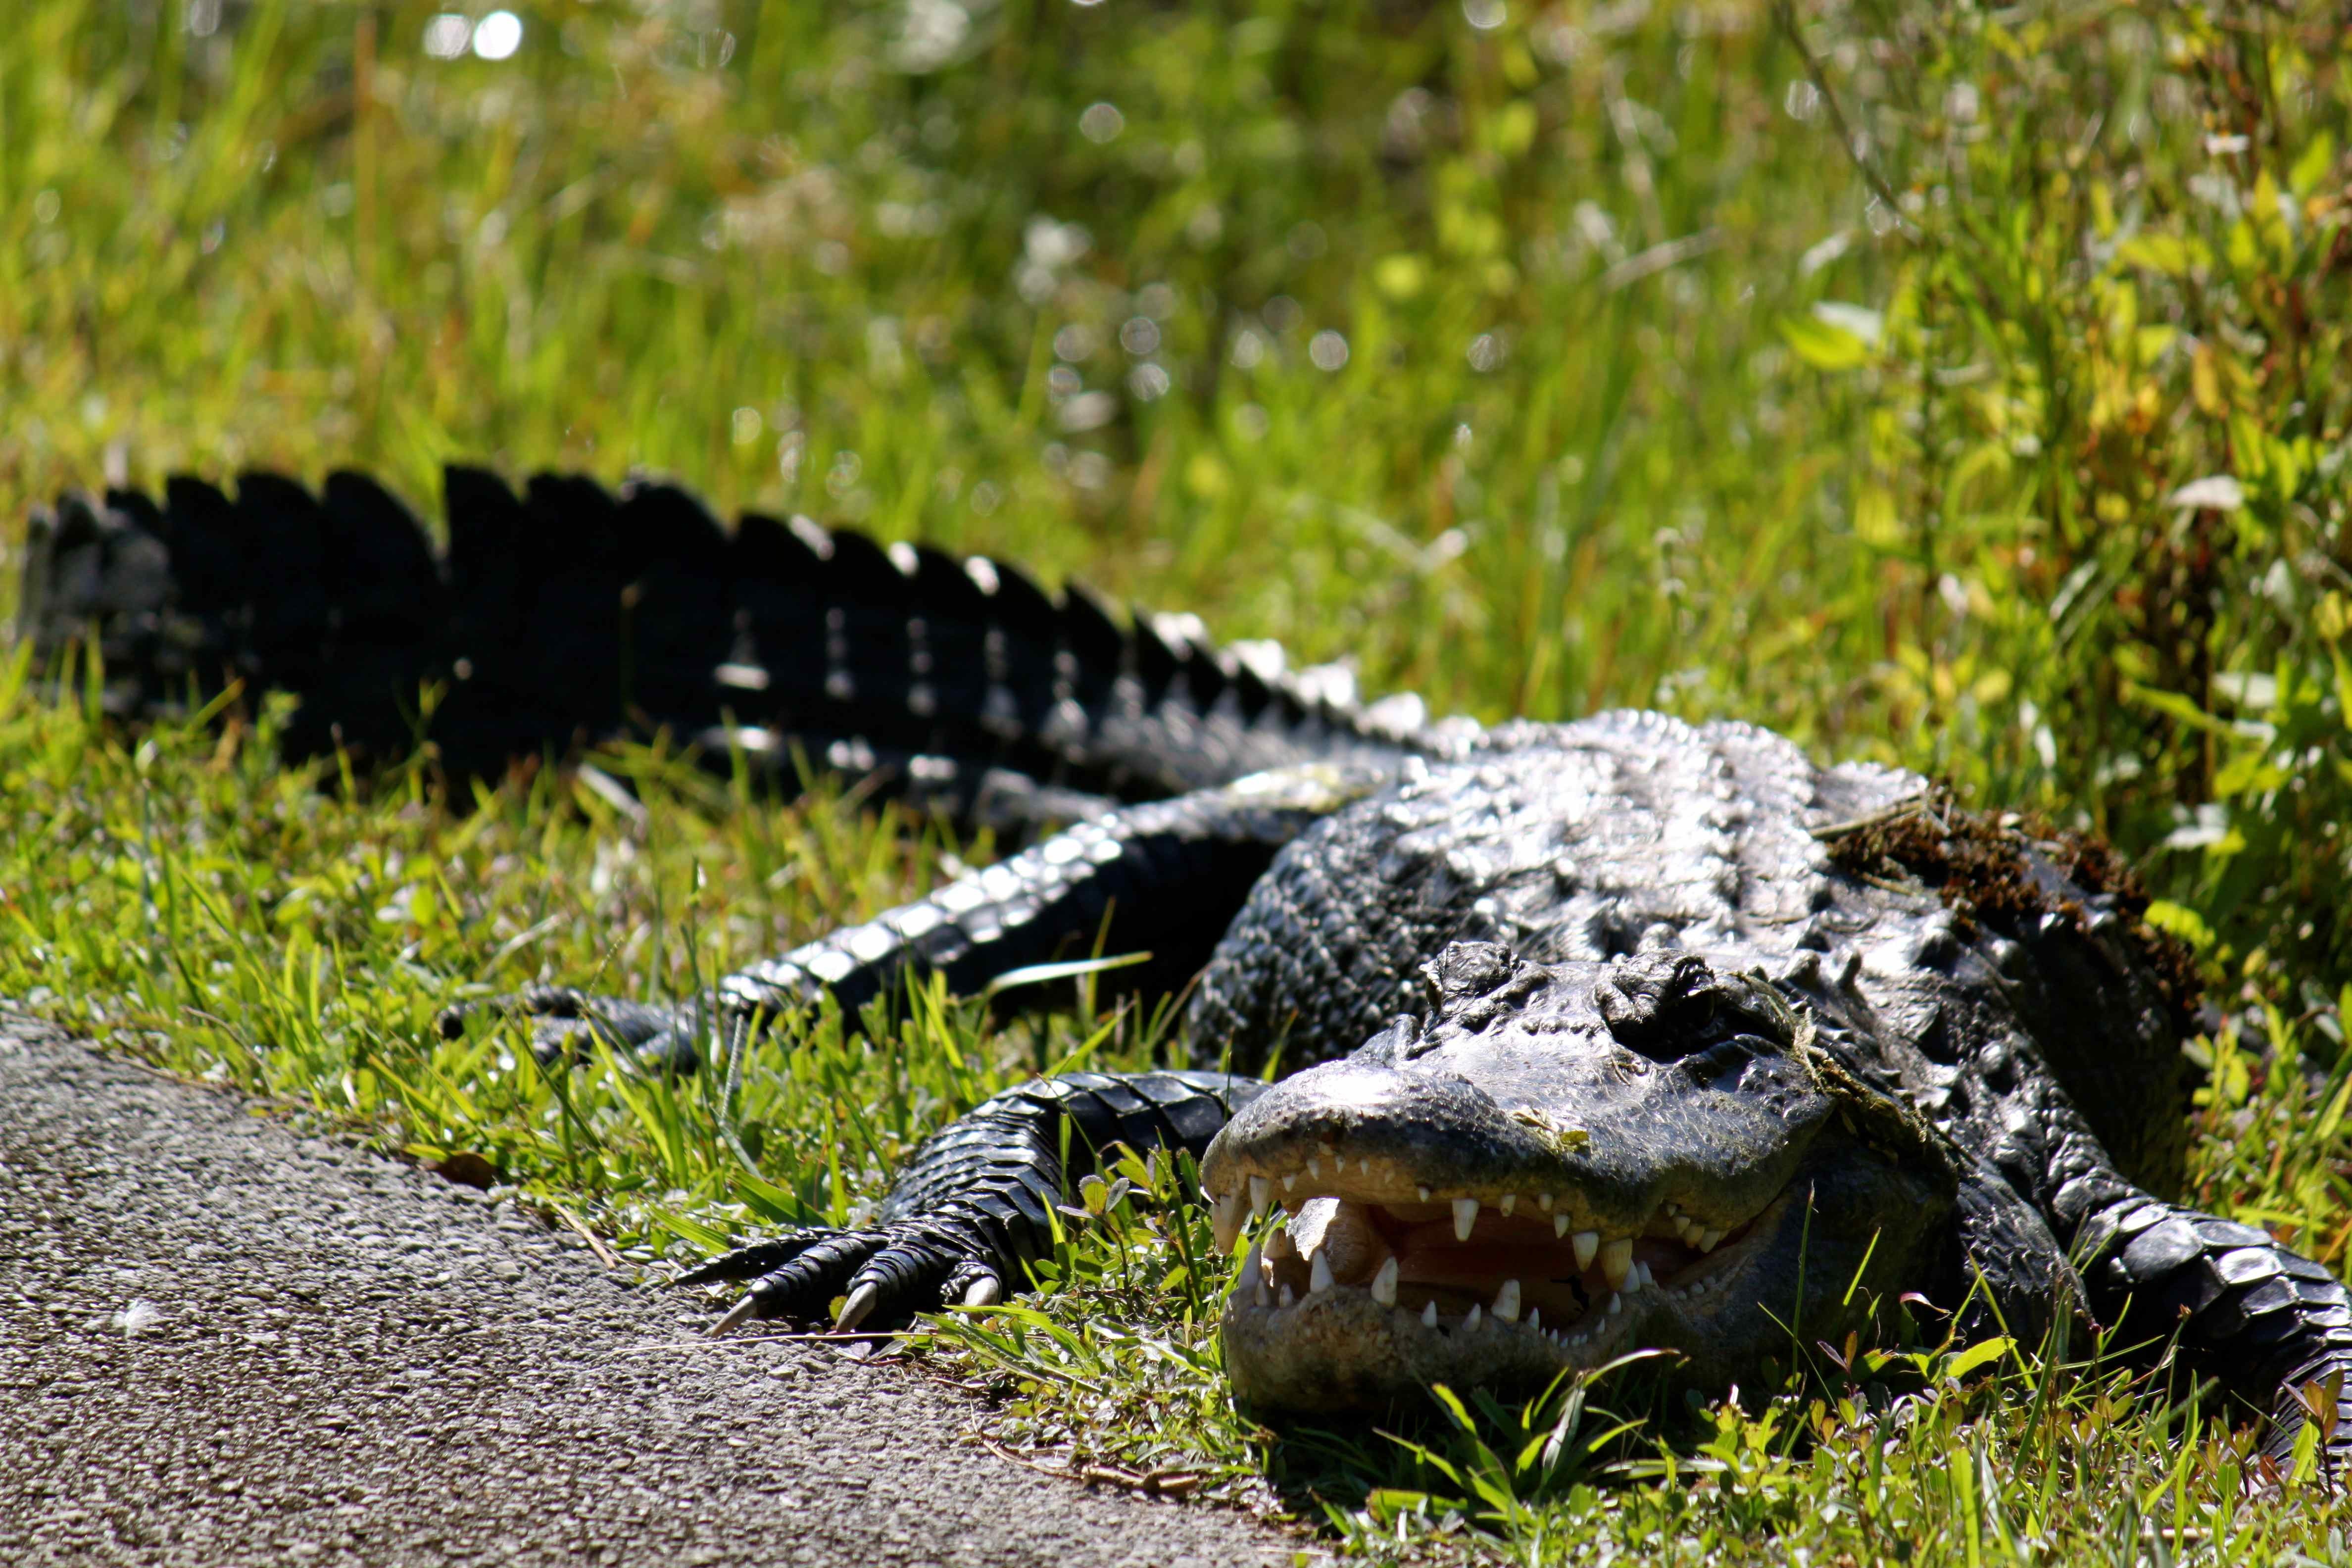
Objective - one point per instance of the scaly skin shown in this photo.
(1616, 1032)
(570, 614)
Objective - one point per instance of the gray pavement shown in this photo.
(222, 1343)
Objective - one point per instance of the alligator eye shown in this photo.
(1661, 1004)
(1467, 969)
(1668, 1005)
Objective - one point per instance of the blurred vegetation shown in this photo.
(1956, 386)
(1633, 387)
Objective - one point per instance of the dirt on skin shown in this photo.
(1976, 864)
(222, 1343)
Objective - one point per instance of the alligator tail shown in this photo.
(569, 614)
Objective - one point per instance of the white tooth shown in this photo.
(1617, 1261)
(1278, 1243)
(1465, 1215)
(1587, 1243)
(1506, 1301)
(1319, 1279)
(1615, 1306)
(1253, 1274)
(1707, 1239)
(1429, 1315)
(1227, 1219)
(1423, 1192)
(1261, 1194)
(1288, 1296)
(1558, 1225)
(1384, 1282)
(1543, 1202)
(1681, 1223)
(1507, 1201)
(1471, 1321)
(1290, 1181)
(1314, 1167)
(1367, 1164)
(1535, 1319)
(1639, 1278)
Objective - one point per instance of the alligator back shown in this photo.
(569, 612)
(1957, 962)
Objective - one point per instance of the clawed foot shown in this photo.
(885, 1275)
(564, 1024)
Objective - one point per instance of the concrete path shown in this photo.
(223, 1343)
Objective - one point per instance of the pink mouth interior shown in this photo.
(1435, 1266)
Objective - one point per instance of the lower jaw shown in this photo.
(1341, 1349)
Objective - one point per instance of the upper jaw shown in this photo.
(1609, 1160)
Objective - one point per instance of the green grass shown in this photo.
(1651, 393)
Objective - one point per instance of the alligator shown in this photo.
(1615, 1034)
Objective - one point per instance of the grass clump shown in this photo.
(1951, 385)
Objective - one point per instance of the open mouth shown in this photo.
(1445, 1269)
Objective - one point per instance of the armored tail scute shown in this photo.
(570, 614)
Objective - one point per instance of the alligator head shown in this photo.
(1559, 1165)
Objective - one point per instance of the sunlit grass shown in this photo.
(185, 899)
(1538, 357)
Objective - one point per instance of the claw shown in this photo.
(852, 1312)
(985, 1291)
(752, 1262)
(737, 1316)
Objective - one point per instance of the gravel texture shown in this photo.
(222, 1343)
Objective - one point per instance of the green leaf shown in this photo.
(701, 1235)
(2181, 921)
(2165, 253)
(2312, 164)
(1977, 1356)
(2178, 707)
(1046, 974)
(1821, 344)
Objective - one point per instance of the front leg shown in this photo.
(972, 1207)
(2267, 1322)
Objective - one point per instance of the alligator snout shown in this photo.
(1392, 1136)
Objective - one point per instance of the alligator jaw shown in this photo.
(1356, 1302)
